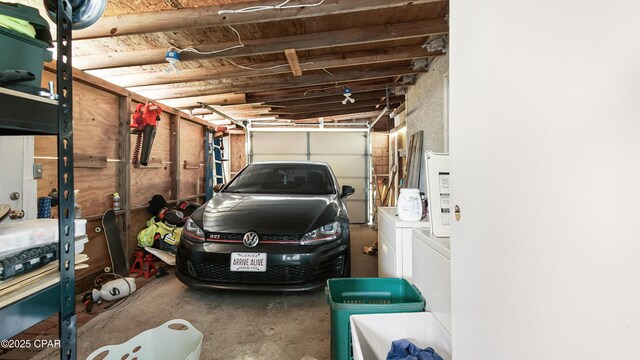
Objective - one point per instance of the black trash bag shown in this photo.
(156, 204)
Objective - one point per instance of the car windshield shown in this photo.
(295, 179)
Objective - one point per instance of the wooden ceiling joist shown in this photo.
(335, 106)
(294, 63)
(309, 80)
(216, 99)
(274, 96)
(377, 94)
(202, 17)
(308, 41)
(267, 68)
(329, 113)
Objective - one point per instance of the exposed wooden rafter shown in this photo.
(294, 63)
(267, 68)
(223, 99)
(334, 106)
(271, 96)
(310, 80)
(328, 113)
(377, 94)
(202, 17)
(308, 41)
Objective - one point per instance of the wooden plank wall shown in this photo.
(192, 151)
(96, 118)
(380, 158)
(238, 156)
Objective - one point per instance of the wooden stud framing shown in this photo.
(124, 171)
(175, 156)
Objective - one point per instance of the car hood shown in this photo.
(268, 213)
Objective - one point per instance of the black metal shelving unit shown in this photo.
(24, 114)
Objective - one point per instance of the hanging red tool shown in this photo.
(143, 123)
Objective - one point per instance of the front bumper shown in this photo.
(290, 267)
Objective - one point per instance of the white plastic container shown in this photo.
(176, 340)
(372, 334)
(18, 236)
(409, 205)
(80, 227)
(80, 242)
(115, 289)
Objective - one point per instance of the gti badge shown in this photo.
(250, 239)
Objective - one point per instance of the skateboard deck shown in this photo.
(114, 243)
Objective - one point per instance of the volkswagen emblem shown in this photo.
(250, 239)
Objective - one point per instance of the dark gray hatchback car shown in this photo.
(279, 226)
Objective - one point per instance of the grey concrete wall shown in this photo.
(425, 109)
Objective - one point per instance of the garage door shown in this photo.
(345, 152)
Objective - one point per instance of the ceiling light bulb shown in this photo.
(346, 91)
(173, 58)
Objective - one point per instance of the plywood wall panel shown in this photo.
(95, 116)
(238, 156)
(45, 146)
(95, 119)
(147, 182)
(380, 153)
(192, 151)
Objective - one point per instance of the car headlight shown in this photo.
(329, 232)
(192, 231)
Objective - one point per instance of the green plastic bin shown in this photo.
(24, 52)
(347, 297)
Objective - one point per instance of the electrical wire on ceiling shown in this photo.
(343, 86)
(190, 49)
(265, 68)
(327, 71)
(240, 44)
(268, 7)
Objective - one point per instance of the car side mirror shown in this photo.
(347, 190)
(218, 187)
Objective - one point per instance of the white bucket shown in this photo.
(176, 340)
(409, 205)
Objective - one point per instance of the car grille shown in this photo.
(329, 269)
(276, 274)
(237, 237)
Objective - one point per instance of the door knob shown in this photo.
(16, 214)
(457, 213)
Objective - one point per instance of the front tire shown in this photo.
(346, 270)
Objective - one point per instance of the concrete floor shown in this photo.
(235, 325)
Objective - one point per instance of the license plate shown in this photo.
(253, 262)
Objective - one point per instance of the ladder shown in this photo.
(214, 169)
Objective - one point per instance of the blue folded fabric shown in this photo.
(405, 350)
